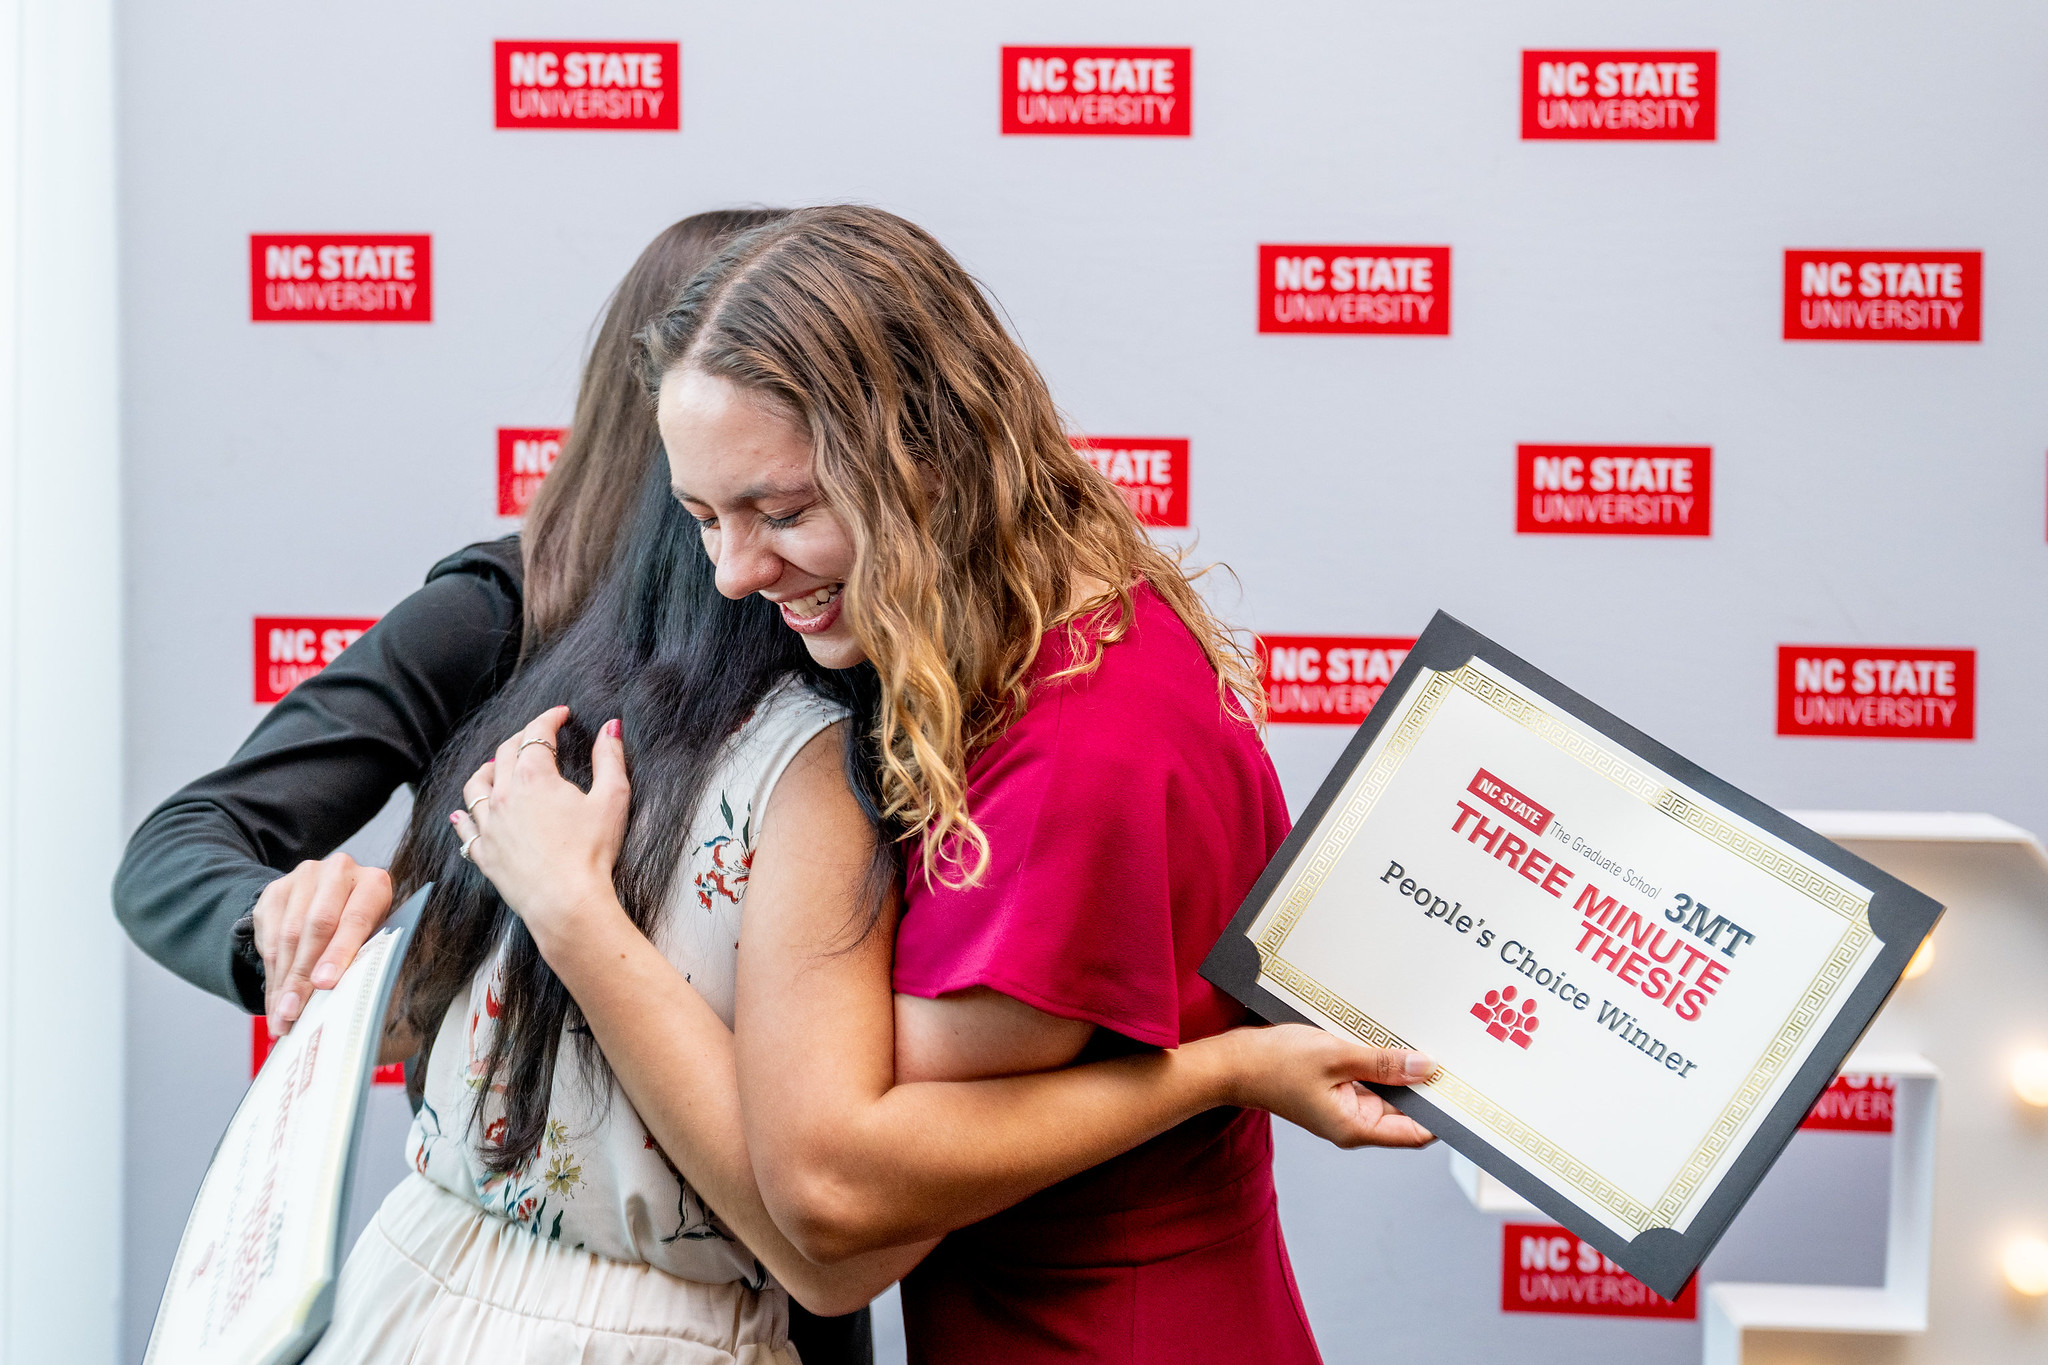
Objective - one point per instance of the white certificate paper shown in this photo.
(253, 1280)
(1629, 974)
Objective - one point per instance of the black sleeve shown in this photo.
(319, 766)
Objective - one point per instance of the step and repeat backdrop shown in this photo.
(1692, 352)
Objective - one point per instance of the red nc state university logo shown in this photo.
(1120, 91)
(551, 83)
(1505, 1020)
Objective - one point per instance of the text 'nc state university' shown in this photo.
(1393, 290)
(1618, 96)
(1098, 91)
(1614, 490)
(340, 277)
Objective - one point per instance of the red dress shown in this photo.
(1127, 817)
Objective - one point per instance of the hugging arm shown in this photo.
(548, 847)
(851, 1155)
(674, 1058)
(794, 1128)
(233, 882)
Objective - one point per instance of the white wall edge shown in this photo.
(61, 661)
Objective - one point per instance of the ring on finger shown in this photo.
(543, 744)
(471, 807)
(464, 850)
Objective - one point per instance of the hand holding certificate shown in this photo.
(1635, 979)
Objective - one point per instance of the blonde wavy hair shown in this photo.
(973, 519)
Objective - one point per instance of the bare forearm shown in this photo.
(849, 1159)
(674, 1059)
(920, 1159)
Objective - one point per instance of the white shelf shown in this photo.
(1487, 1194)
(1900, 1304)
(1918, 827)
(1808, 1308)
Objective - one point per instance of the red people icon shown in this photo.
(1506, 1020)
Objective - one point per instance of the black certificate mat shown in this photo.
(1635, 979)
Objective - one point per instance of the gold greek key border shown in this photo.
(1780, 1052)
(1772, 861)
(1319, 866)
(1756, 852)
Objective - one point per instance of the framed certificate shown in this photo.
(253, 1280)
(1634, 978)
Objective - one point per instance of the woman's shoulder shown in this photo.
(457, 635)
(1153, 670)
(1148, 715)
(788, 717)
(793, 705)
(499, 563)
(470, 609)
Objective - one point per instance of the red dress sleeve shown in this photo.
(1126, 818)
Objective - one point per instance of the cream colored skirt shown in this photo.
(434, 1280)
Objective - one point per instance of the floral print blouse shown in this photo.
(598, 1180)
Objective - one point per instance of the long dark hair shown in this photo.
(575, 521)
(683, 668)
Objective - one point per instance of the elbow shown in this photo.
(127, 892)
(831, 1229)
(828, 1221)
(830, 1244)
(830, 1297)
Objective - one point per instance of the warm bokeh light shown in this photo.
(2030, 1076)
(2026, 1265)
(1922, 959)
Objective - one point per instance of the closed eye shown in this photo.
(690, 506)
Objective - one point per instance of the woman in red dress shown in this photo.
(1064, 766)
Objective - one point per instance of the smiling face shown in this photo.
(743, 470)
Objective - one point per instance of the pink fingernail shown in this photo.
(454, 817)
(611, 727)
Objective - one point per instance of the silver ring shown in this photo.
(543, 744)
(464, 850)
(471, 807)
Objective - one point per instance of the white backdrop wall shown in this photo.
(1883, 494)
